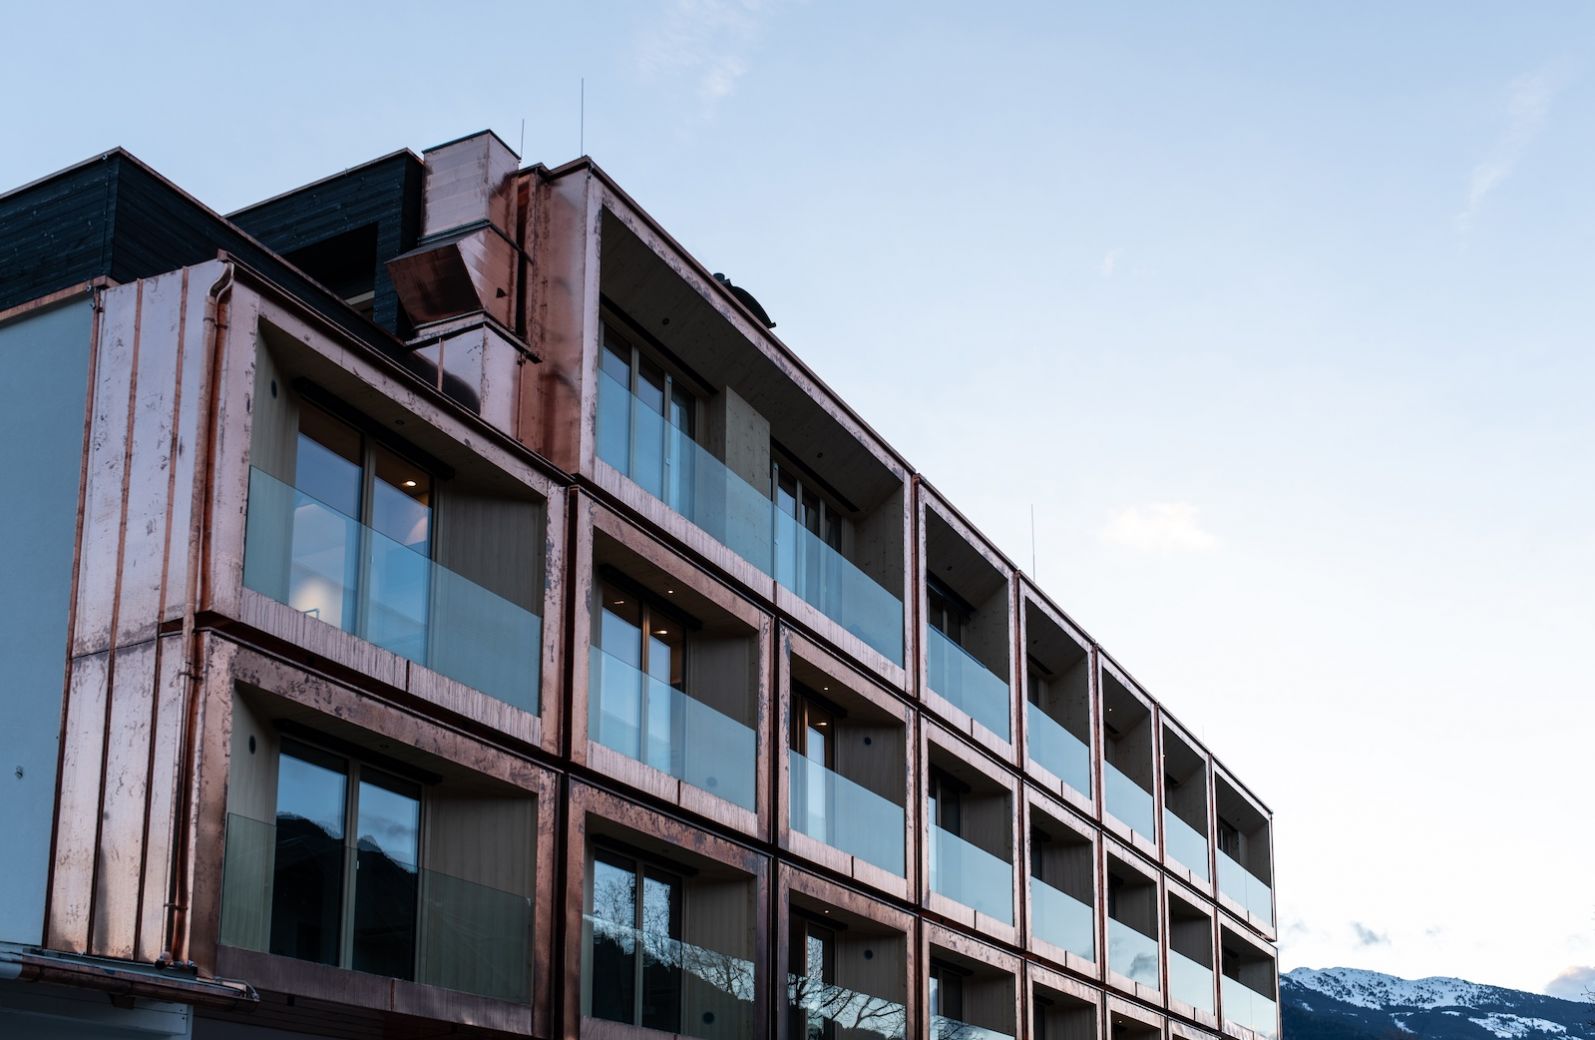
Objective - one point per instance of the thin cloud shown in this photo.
(1367, 936)
(705, 43)
(1576, 982)
(1159, 527)
(1110, 262)
(1528, 106)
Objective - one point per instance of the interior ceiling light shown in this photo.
(409, 483)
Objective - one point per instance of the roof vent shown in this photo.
(746, 299)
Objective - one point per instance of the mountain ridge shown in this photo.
(1357, 1004)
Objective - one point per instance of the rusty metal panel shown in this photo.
(229, 432)
(154, 392)
(106, 470)
(193, 360)
(469, 181)
(120, 856)
(77, 830)
(166, 774)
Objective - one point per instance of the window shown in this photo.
(946, 802)
(802, 501)
(813, 737)
(362, 535)
(636, 908)
(646, 435)
(1229, 839)
(813, 957)
(354, 903)
(1230, 963)
(946, 991)
(946, 612)
(642, 709)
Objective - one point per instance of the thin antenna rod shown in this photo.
(522, 150)
(1033, 573)
(582, 119)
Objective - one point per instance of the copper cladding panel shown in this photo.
(467, 182)
(103, 493)
(474, 272)
(78, 812)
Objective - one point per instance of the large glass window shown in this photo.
(644, 446)
(946, 993)
(641, 702)
(946, 611)
(813, 957)
(636, 963)
(813, 737)
(356, 910)
(362, 535)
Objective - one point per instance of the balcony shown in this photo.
(1062, 920)
(1057, 700)
(1190, 954)
(969, 999)
(418, 925)
(963, 681)
(1250, 979)
(848, 974)
(1127, 766)
(668, 945)
(649, 720)
(1185, 805)
(967, 629)
(969, 819)
(1133, 922)
(829, 807)
(1190, 982)
(1245, 850)
(1240, 884)
(704, 413)
(1059, 1015)
(326, 564)
(967, 873)
(1062, 884)
(1133, 954)
(1128, 801)
(1059, 751)
(1244, 1006)
(695, 978)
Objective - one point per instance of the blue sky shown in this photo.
(1277, 314)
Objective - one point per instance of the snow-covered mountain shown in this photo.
(1351, 1004)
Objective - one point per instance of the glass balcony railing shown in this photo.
(327, 565)
(826, 1003)
(661, 726)
(1128, 801)
(1244, 887)
(1190, 981)
(845, 815)
(829, 582)
(1185, 843)
(711, 992)
(1062, 920)
(667, 463)
(944, 1028)
(969, 685)
(1245, 1006)
(971, 875)
(465, 936)
(1058, 751)
(1132, 954)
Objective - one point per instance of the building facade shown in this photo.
(438, 605)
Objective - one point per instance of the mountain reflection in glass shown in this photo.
(387, 846)
(307, 878)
